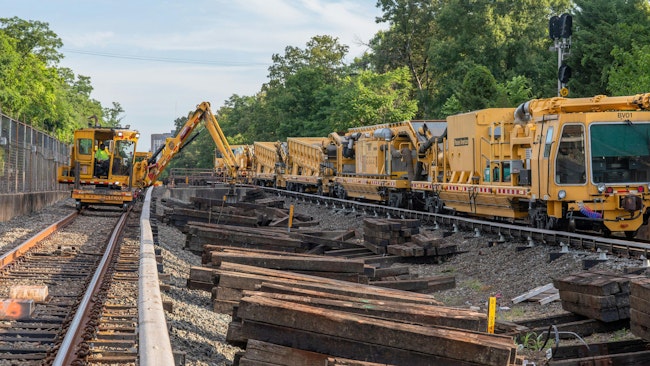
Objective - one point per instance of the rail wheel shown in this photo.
(630, 234)
(339, 192)
(396, 199)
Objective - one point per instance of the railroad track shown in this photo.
(58, 268)
(96, 291)
(499, 230)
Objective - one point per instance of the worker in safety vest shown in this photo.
(101, 161)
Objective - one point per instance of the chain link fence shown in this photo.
(29, 158)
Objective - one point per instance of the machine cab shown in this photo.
(101, 156)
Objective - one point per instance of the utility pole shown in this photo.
(559, 29)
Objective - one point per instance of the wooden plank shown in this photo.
(533, 292)
(415, 284)
(391, 271)
(346, 252)
(600, 349)
(428, 315)
(585, 327)
(447, 343)
(344, 347)
(321, 264)
(327, 285)
(338, 361)
(550, 298)
(280, 355)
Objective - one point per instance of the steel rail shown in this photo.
(154, 343)
(19, 251)
(66, 352)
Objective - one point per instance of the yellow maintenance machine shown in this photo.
(554, 163)
(101, 167)
(385, 161)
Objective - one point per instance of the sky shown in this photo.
(159, 59)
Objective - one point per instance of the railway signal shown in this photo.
(560, 31)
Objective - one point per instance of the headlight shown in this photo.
(601, 187)
(561, 194)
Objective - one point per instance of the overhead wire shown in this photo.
(166, 59)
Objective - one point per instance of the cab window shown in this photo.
(85, 146)
(570, 157)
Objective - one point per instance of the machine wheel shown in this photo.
(339, 192)
(630, 234)
(395, 199)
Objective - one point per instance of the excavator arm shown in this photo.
(174, 144)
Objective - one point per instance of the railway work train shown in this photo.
(117, 178)
(555, 163)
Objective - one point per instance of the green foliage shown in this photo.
(479, 89)
(601, 26)
(531, 341)
(370, 98)
(630, 73)
(33, 89)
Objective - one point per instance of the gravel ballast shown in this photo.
(484, 269)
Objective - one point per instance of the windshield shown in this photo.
(620, 152)
(123, 157)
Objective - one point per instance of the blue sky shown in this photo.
(159, 59)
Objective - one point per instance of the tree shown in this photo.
(508, 37)
(479, 89)
(601, 26)
(371, 98)
(323, 52)
(33, 89)
(33, 38)
(301, 86)
(112, 115)
(630, 72)
(411, 29)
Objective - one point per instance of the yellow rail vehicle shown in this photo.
(269, 164)
(101, 167)
(553, 163)
(311, 164)
(378, 163)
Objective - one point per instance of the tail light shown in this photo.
(640, 189)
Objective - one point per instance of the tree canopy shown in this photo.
(35, 90)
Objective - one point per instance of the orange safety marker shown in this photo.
(12, 309)
(492, 307)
